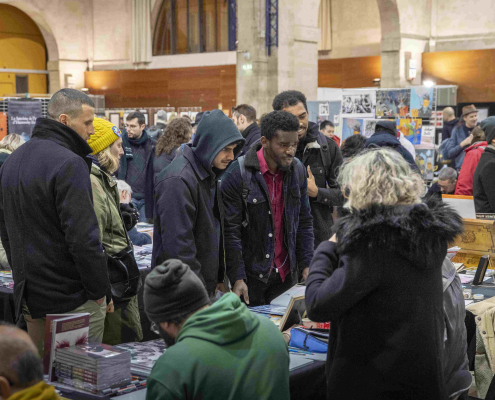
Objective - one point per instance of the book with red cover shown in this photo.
(63, 330)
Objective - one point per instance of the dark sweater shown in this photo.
(48, 224)
(381, 288)
(252, 134)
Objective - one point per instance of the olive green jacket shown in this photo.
(106, 201)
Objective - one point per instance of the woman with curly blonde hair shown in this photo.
(8, 144)
(177, 132)
(378, 280)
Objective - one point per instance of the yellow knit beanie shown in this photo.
(105, 134)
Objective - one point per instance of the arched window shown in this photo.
(195, 26)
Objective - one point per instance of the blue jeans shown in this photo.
(139, 205)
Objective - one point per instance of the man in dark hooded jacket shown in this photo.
(386, 136)
(188, 210)
(322, 159)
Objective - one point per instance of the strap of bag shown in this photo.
(246, 180)
(324, 150)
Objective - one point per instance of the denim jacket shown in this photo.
(250, 250)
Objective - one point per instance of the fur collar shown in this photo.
(414, 231)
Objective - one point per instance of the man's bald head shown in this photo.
(448, 114)
(20, 366)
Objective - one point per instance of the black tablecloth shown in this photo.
(7, 308)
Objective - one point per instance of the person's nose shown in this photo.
(291, 150)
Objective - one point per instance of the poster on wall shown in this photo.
(351, 126)
(369, 127)
(411, 129)
(425, 159)
(324, 110)
(358, 104)
(423, 102)
(22, 116)
(392, 103)
(3, 125)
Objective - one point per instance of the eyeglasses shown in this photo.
(154, 328)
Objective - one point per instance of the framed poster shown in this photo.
(358, 104)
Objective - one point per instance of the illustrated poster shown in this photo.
(425, 159)
(358, 104)
(369, 127)
(423, 102)
(411, 129)
(351, 126)
(392, 103)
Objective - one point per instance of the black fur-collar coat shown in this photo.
(380, 286)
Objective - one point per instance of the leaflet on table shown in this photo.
(284, 299)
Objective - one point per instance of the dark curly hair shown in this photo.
(177, 132)
(353, 145)
(287, 99)
(278, 120)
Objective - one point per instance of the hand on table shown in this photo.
(241, 289)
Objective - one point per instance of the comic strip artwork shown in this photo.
(369, 127)
(358, 104)
(392, 103)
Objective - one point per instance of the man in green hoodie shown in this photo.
(222, 351)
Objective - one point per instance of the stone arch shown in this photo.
(154, 15)
(389, 18)
(46, 31)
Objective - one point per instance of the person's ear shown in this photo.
(264, 142)
(143, 126)
(5, 390)
(64, 119)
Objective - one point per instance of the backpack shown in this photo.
(155, 132)
(246, 176)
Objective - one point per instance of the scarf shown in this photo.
(40, 391)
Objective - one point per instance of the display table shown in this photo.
(7, 308)
(306, 383)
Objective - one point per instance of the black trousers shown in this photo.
(261, 293)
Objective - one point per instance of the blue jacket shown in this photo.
(188, 214)
(453, 149)
(250, 250)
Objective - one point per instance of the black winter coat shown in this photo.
(247, 248)
(387, 139)
(188, 217)
(381, 287)
(163, 161)
(48, 224)
(252, 134)
(447, 129)
(484, 183)
(329, 193)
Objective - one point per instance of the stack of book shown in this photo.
(92, 367)
(144, 355)
(6, 280)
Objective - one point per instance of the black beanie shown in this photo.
(488, 126)
(171, 290)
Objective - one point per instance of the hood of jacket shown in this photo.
(477, 145)
(226, 321)
(389, 127)
(414, 231)
(215, 131)
(452, 123)
(61, 134)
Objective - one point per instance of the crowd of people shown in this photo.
(246, 208)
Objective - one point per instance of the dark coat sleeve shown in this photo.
(74, 203)
(233, 209)
(335, 284)
(149, 200)
(4, 237)
(487, 178)
(332, 195)
(305, 237)
(176, 214)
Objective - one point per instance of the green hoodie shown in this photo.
(223, 352)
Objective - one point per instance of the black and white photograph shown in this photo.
(358, 104)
